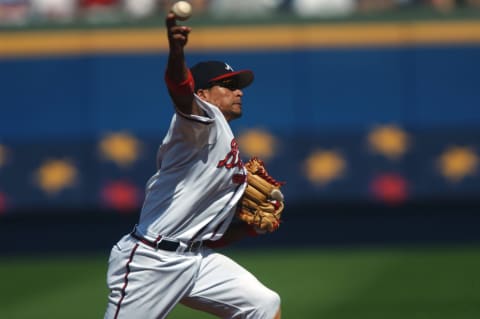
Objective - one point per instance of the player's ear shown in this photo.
(202, 93)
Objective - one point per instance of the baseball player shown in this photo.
(190, 204)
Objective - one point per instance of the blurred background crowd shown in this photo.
(21, 12)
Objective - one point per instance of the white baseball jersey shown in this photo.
(192, 197)
(199, 181)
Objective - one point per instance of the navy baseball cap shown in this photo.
(209, 72)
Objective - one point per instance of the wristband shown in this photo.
(185, 87)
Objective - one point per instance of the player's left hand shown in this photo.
(262, 203)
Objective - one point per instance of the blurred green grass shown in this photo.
(357, 283)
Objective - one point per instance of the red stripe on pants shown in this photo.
(125, 283)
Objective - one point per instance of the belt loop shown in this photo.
(182, 247)
(158, 241)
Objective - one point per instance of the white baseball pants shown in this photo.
(147, 283)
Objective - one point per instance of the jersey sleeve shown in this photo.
(196, 130)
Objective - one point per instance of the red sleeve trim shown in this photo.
(185, 87)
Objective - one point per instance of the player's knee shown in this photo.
(267, 306)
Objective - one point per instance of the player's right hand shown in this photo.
(177, 34)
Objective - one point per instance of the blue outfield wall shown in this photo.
(303, 90)
(328, 99)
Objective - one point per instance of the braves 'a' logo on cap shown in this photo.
(228, 67)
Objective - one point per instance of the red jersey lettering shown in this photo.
(233, 157)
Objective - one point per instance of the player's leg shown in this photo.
(144, 282)
(227, 290)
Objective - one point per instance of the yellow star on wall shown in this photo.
(55, 175)
(389, 141)
(121, 148)
(458, 162)
(322, 167)
(258, 143)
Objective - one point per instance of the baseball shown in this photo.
(277, 195)
(182, 10)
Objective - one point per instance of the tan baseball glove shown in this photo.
(262, 203)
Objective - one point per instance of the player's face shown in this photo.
(226, 96)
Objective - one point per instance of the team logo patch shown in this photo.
(232, 159)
